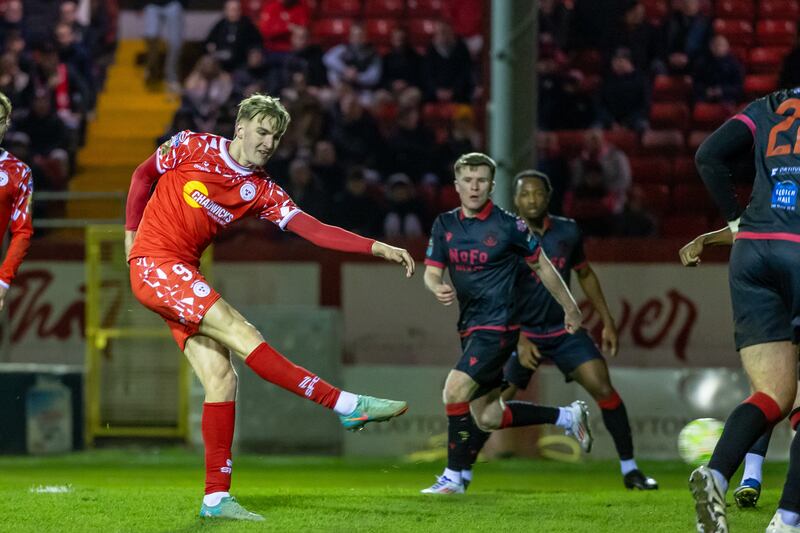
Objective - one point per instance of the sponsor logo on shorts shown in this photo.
(3, 179)
(201, 289)
(473, 361)
(247, 191)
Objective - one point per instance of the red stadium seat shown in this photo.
(776, 32)
(339, 8)
(672, 88)
(589, 61)
(425, 8)
(778, 9)
(765, 60)
(379, 31)
(739, 32)
(662, 142)
(625, 140)
(695, 139)
(667, 115)
(691, 197)
(684, 225)
(707, 116)
(655, 197)
(384, 8)
(420, 32)
(448, 198)
(735, 9)
(740, 53)
(651, 169)
(331, 31)
(656, 9)
(758, 85)
(685, 170)
(571, 142)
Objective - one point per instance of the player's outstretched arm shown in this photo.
(556, 286)
(335, 238)
(434, 282)
(21, 229)
(142, 182)
(592, 289)
(690, 253)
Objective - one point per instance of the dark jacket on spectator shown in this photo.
(232, 40)
(723, 72)
(451, 71)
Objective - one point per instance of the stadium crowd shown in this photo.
(51, 68)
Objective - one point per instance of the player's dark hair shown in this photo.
(474, 159)
(530, 173)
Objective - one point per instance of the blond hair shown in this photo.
(5, 103)
(474, 159)
(259, 105)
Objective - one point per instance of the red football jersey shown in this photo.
(201, 189)
(16, 186)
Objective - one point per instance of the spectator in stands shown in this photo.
(207, 90)
(447, 69)
(354, 132)
(624, 95)
(354, 209)
(553, 163)
(74, 54)
(718, 76)
(49, 140)
(686, 35)
(163, 17)
(15, 84)
(305, 57)
(13, 15)
(463, 137)
(325, 165)
(68, 91)
(404, 217)
(355, 64)
(467, 19)
(554, 21)
(402, 65)
(68, 14)
(639, 36)
(278, 18)
(570, 107)
(790, 70)
(306, 111)
(410, 147)
(594, 22)
(603, 172)
(252, 77)
(231, 37)
(305, 190)
(635, 220)
(183, 119)
(40, 16)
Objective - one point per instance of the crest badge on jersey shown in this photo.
(247, 191)
(490, 240)
(3, 179)
(201, 289)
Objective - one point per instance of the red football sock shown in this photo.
(217, 428)
(275, 368)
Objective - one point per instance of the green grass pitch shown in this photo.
(160, 491)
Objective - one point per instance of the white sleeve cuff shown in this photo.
(734, 225)
(4, 284)
(282, 224)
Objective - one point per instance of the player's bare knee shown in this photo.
(490, 417)
(222, 382)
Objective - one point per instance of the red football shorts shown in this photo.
(176, 291)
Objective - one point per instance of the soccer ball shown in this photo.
(697, 440)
